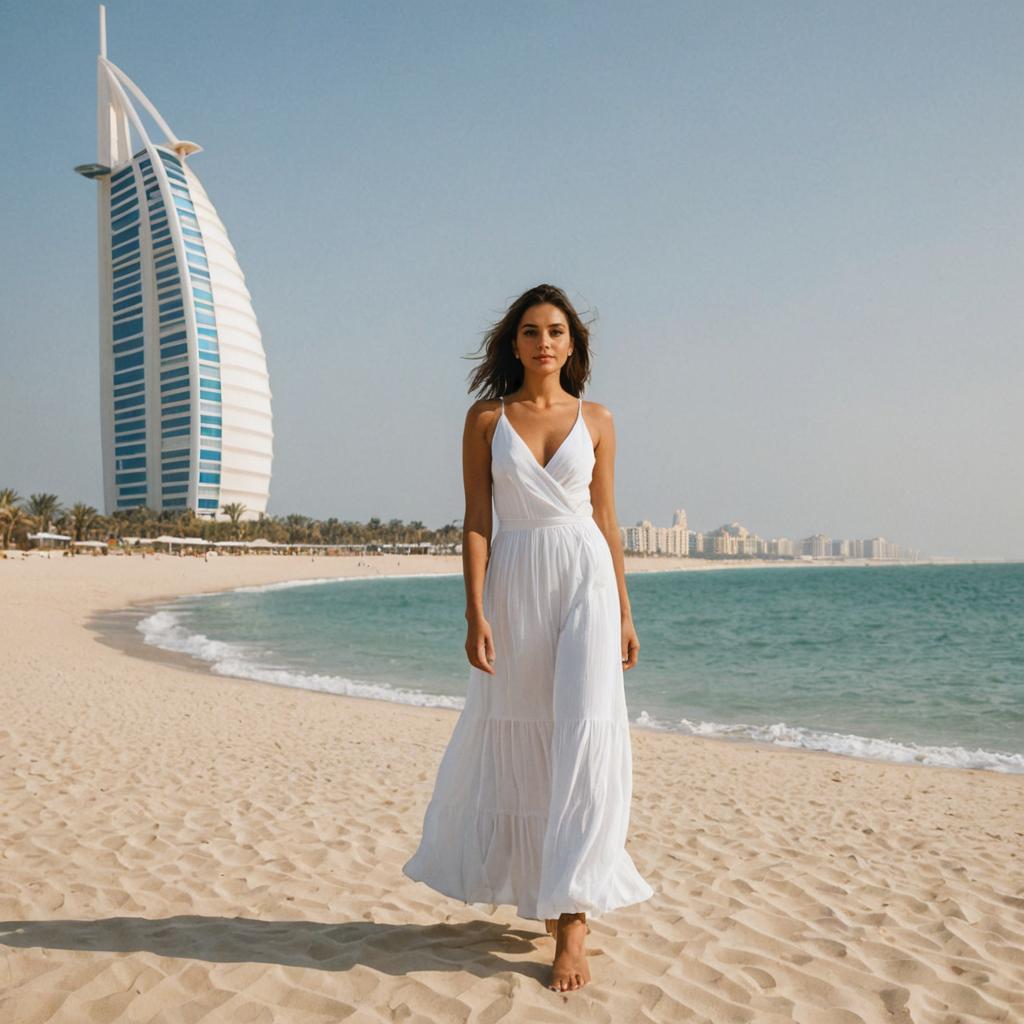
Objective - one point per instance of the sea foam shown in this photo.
(782, 735)
(319, 581)
(164, 629)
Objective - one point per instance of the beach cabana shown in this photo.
(262, 544)
(44, 539)
(194, 542)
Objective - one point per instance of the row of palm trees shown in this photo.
(44, 513)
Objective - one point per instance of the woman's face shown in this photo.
(543, 340)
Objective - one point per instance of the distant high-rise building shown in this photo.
(185, 394)
(647, 539)
(877, 547)
(818, 546)
(679, 518)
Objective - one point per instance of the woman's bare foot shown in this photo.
(570, 969)
(551, 925)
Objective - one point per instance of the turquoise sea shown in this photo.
(917, 663)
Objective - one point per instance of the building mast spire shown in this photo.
(103, 111)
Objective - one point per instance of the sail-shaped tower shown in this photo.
(185, 394)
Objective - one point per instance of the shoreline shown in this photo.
(175, 840)
(118, 629)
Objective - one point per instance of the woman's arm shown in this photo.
(476, 530)
(602, 498)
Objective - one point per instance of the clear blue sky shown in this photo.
(800, 225)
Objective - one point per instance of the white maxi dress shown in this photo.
(531, 801)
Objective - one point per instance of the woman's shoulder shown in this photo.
(482, 411)
(597, 411)
(482, 405)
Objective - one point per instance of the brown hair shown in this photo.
(500, 373)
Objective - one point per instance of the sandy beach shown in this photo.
(179, 846)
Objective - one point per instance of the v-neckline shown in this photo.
(529, 451)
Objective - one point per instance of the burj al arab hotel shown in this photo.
(184, 390)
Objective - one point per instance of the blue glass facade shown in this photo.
(127, 342)
(181, 401)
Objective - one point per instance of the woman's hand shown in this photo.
(630, 645)
(480, 645)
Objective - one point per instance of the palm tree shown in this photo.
(272, 528)
(142, 520)
(188, 524)
(9, 497)
(297, 527)
(234, 511)
(332, 530)
(11, 514)
(13, 520)
(107, 527)
(258, 526)
(44, 508)
(81, 517)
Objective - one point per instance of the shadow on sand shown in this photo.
(478, 947)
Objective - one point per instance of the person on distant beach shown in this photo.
(531, 801)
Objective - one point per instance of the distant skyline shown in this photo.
(801, 227)
(680, 521)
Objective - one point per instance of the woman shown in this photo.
(531, 802)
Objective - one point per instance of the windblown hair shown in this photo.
(500, 373)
